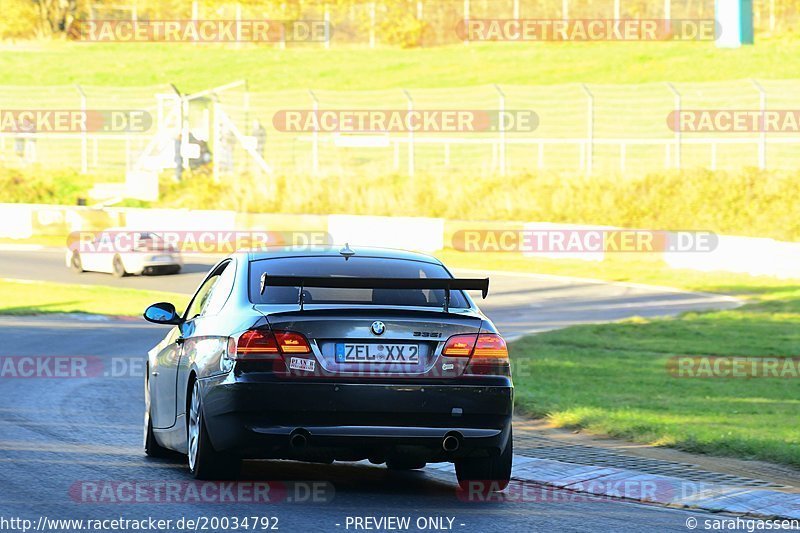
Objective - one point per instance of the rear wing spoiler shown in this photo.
(446, 284)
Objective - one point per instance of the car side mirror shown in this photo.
(162, 313)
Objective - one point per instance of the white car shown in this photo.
(143, 253)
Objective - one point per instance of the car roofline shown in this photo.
(276, 252)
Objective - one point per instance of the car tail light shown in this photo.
(256, 343)
(490, 346)
(488, 353)
(291, 342)
(264, 344)
(459, 346)
(490, 357)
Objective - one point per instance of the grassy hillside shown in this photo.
(749, 202)
(194, 68)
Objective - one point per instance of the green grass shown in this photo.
(749, 202)
(194, 68)
(53, 240)
(32, 298)
(613, 379)
(38, 185)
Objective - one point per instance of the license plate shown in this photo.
(377, 353)
(297, 363)
(162, 258)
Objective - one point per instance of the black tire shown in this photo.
(204, 461)
(151, 446)
(404, 464)
(75, 263)
(118, 268)
(493, 472)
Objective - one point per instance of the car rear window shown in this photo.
(361, 267)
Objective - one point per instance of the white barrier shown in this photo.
(17, 221)
(180, 219)
(747, 255)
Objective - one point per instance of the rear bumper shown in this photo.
(353, 421)
(140, 263)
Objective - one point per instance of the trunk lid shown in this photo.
(401, 343)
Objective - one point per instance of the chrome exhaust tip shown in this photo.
(298, 439)
(451, 442)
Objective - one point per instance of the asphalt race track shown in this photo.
(517, 303)
(70, 447)
(61, 437)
